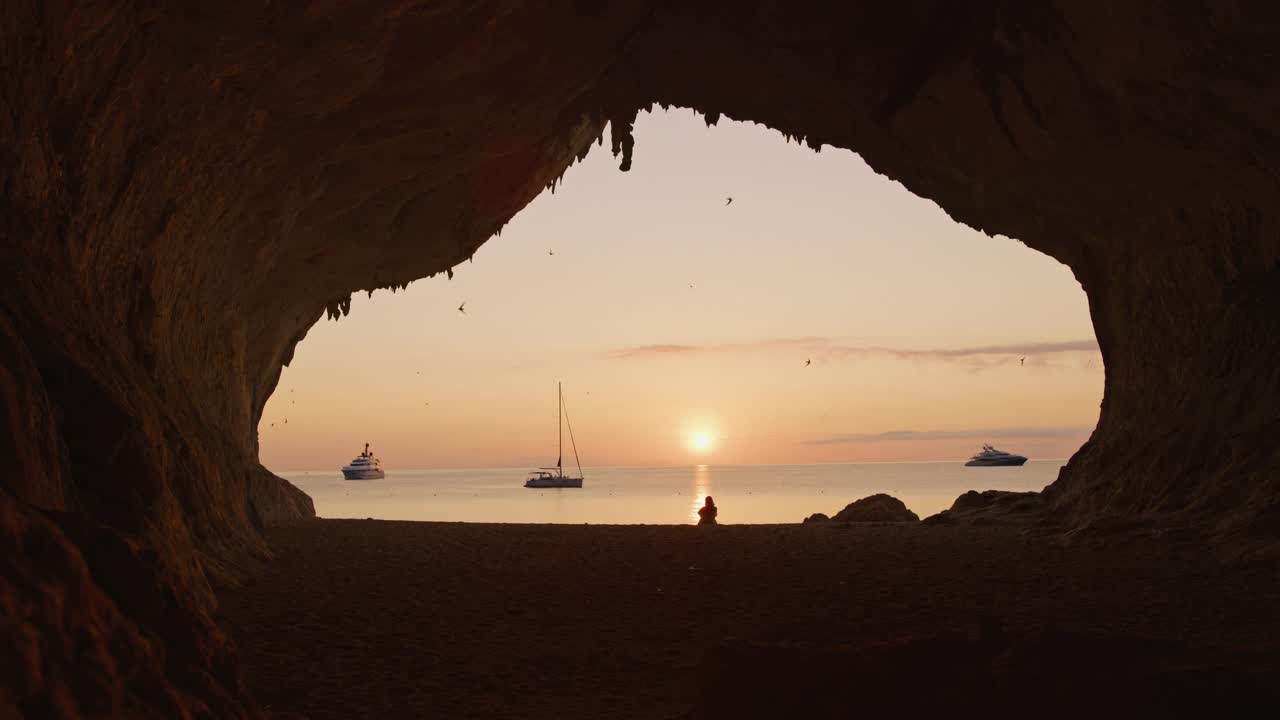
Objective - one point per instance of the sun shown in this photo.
(700, 442)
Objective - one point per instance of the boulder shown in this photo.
(817, 517)
(876, 508)
(992, 507)
(1013, 501)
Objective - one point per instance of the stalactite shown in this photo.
(339, 308)
(622, 126)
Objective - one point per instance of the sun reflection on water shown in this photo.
(701, 489)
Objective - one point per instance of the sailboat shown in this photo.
(554, 477)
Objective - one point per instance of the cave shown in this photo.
(184, 192)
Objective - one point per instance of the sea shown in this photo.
(761, 494)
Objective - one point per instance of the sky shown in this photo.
(825, 315)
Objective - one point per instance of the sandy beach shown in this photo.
(405, 619)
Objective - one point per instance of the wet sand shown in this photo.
(364, 618)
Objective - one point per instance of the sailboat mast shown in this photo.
(560, 426)
(569, 422)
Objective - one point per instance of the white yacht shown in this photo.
(364, 467)
(991, 457)
(554, 477)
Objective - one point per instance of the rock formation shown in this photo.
(817, 518)
(991, 506)
(876, 508)
(185, 190)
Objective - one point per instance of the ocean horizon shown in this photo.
(664, 495)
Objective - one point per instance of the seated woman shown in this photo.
(707, 513)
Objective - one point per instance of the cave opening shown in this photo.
(682, 321)
(184, 193)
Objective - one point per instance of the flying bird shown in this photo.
(551, 252)
(728, 201)
(1022, 361)
(690, 286)
(463, 307)
(808, 362)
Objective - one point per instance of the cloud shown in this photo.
(1020, 349)
(825, 348)
(651, 350)
(1022, 433)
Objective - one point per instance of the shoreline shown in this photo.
(746, 494)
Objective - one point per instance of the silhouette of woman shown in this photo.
(707, 513)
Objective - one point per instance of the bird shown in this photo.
(273, 424)
(728, 201)
(1022, 361)
(690, 286)
(808, 362)
(463, 307)
(286, 421)
(551, 252)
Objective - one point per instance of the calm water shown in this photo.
(658, 495)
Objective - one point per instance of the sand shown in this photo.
(408, 619)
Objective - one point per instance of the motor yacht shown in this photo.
(364, 467)
(991, 457)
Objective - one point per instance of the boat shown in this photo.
(991, 457)
(364, 467)
(554, 477)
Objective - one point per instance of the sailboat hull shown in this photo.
(553, 482)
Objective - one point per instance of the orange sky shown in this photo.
(667, 313)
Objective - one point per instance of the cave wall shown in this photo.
(184, 191)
